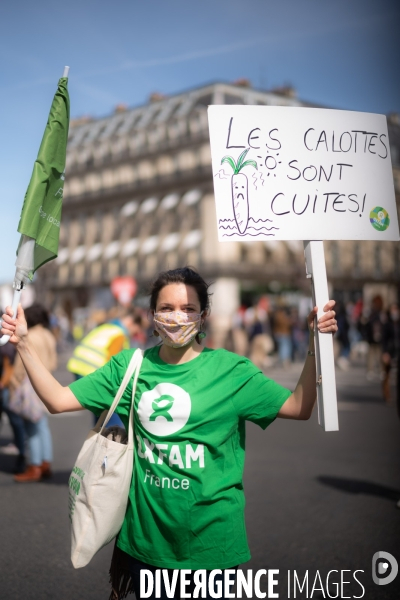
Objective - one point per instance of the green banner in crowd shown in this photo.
(41, 211)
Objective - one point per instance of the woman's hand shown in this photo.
(16, 328)
(327, 323)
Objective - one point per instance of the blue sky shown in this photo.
(340, 54)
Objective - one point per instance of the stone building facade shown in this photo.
(138, 198)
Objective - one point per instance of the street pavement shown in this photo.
(316, 502)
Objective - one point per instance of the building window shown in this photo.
(109, 179)
(394, 154)
(151, 264)
(357, 259)
(193, 257)
(108, 227)
(186, 160)
(75, 233)
(113, 268)
(83, 156)
(119, 147)
(101, 152)
(137, 142)
(79, 273)
(98, 217)
(96, 271)
(64, 232)
(205, 155)
(195, 125)
(169, 260)
(396, 253)
(131, 265)
(335, 257)
(165, 165)
(126, 174)
(145, 169)
(92, 182)
(75, 186)
(377, 260)
(205, 100)
(244, 253)
(177, 129)
(63, 273)
(70, 161)
(156, 135)
(231, 99)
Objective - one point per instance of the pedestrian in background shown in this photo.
(342, 337)
(372, 328)
(17, 446)
(299, 335)
(103, 342)
(39, 442)
(260, 339)
(282, 330)
(390, 347)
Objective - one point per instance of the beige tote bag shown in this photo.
(100, 481)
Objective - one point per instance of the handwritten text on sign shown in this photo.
(301, 174)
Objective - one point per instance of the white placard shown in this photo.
(301, 174)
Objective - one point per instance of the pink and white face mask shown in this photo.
(177, 329)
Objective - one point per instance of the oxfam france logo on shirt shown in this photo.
(165, 409)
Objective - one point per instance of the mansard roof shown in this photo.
(171, 108)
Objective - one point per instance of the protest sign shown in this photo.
(301, 174)
(306, 174)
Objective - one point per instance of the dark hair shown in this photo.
(37, 315)
(185, 275)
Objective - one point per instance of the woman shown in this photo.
(186, 508)
(7, 357)
(390, 347)
(38, 433)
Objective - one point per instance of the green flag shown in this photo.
(41, 211)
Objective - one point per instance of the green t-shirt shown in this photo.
(186, 503)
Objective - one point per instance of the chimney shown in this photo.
(242, 82)
(156, 97)
(393, 118)
(120, 108)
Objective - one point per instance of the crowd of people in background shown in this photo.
(18, 400)
(272, 332)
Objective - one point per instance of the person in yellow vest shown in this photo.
(103, 342)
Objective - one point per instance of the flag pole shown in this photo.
(24, 265)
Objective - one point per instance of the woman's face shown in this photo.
(178, 297)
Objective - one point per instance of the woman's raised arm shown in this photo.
(54, 396)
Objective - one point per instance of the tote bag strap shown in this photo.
(132, 413)
(133, 366)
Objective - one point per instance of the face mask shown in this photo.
(177, 329)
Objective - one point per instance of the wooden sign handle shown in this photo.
(325, 362)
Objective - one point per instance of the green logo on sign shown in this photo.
(379, 218)
(162, 411)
